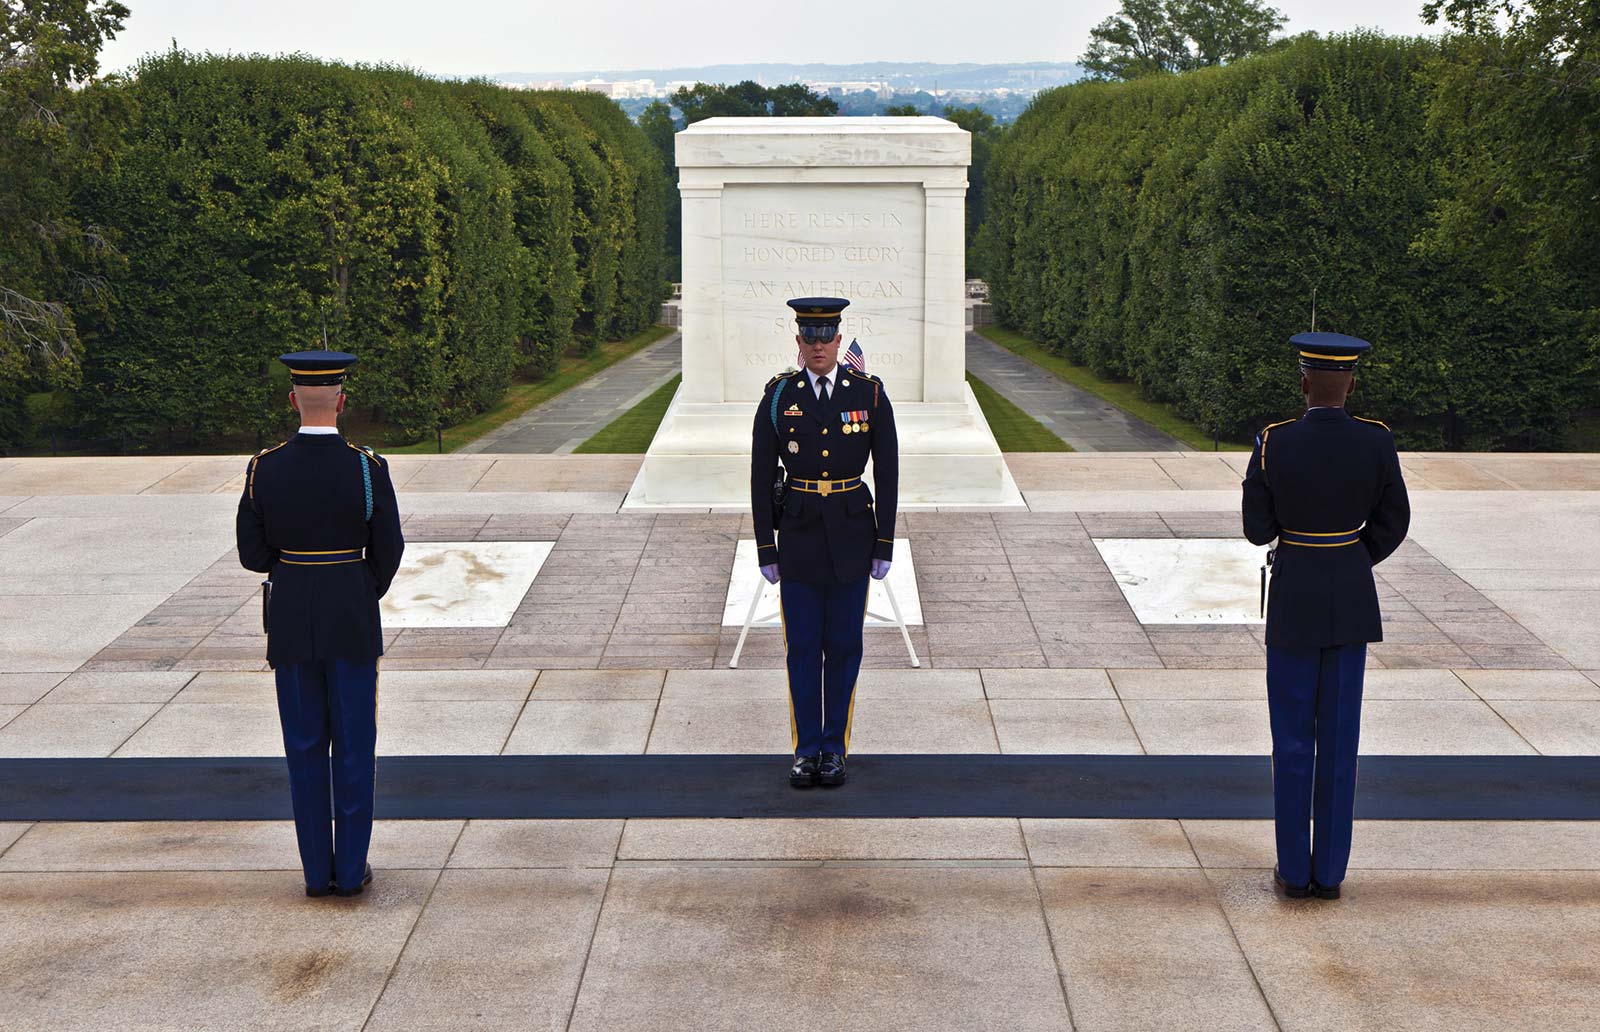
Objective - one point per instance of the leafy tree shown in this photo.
(660, 129)
(902, 110)
(985, 132)
(706, 100)
(446, 232)
(49, 260)
(1148, 37)
(1171, 230)
(1517, 106)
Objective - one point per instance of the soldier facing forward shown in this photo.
(823, 423)
(1328, 488)
(318, 515)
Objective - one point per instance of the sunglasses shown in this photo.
(819, 334)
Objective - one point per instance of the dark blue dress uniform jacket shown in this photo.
(1327, 477)
(832, 538)
(307, 495)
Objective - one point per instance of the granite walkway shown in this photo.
(567, 420)
(127, 629)
(865, 925)
(1072, 413)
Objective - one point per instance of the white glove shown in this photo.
(880, 569)
(770, 572)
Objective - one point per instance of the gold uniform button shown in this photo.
(824, 473)
(824, 431)
(824, 453)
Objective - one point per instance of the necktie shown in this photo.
(822, 382)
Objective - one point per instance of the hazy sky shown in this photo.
(468, 37)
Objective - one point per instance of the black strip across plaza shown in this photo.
(951, 785)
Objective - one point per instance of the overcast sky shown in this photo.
(473, 37)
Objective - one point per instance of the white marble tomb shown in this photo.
(1187, 580)
(872, 209)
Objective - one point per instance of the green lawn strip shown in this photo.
(1014, 430)
(572, 370)
(632, 432)
(1124, 396)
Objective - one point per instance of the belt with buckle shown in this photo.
(1309, 539)
(824, 487)
(343, 555)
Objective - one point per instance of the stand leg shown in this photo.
(901, 623)
(749, 618)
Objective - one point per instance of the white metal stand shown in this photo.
(776, 620)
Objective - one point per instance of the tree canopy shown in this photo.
(450, 234)
(1174, 230)
(706, 100)
(1149, 37)
(51, 263)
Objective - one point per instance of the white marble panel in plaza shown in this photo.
(1187, 580)
(746, 581)
(462, 583)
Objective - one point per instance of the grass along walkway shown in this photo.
(632, 432)
(1014, 430)
(1123, 395)
(572, 370)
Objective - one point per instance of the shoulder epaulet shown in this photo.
(1375, 422)
(776, 379)
(366, 450)
(250, 481)
(1262, 437)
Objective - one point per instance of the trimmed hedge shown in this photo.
(1174, 229)
(448, 233)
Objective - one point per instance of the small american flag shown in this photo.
(855, 358)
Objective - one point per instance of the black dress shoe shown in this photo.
(1325, 891)
(804, 772)
(831, 770)
(1290, 891)
(326, 890)
(366, 879)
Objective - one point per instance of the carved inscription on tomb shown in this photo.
(859, 241)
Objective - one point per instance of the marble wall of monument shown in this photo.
(871, 209)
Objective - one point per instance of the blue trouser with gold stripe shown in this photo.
(328, 709)
(1314, 696)
(822, 623)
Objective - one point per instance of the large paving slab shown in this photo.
(862, 948)
(1143, 949)
(496, 949)
(1425, 950)
(118, 950)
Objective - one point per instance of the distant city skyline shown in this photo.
(490, 37)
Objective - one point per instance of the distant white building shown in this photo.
(620, 89)
(881, 90)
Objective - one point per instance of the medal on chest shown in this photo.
(855, 421)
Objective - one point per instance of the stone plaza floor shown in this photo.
(127, 629)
